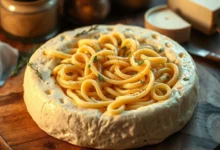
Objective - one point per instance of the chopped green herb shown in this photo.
(37, 72)
(142, 81)
(185, 79)
(95, 59)
(161, 50)
(127, 54)
(133, 73)
(87, 31)
(124, 48)
(140, 62)
(100, 77)
(168, 77)
(89, 65)
(22, 61)
(98, 50)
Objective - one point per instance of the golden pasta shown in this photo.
(114, 73)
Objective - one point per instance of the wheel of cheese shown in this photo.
(55, 113)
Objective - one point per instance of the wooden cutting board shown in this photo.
(19, 132)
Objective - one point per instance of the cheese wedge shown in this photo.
(167, 22)
(202, 14)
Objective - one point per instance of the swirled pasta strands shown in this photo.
(114, 73)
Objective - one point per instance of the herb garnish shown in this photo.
(140, 62)
(185, 79)
(30, 64)
(124, 48)
(161, 50)
(95, 59)
(100, 77)
(89, 66)
(142, 81)
(22, 61)
(87, 31)
(133, 73)
(127, 54)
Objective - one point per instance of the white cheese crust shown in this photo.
(54, 113)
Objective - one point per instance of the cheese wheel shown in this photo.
(165, 21)
(54, 112)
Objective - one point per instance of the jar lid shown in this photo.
(27, 6)
(167, 22)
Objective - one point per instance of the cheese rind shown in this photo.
(54, 113)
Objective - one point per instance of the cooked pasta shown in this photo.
(114, 73)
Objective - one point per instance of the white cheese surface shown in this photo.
(167, 19)
(54, 113)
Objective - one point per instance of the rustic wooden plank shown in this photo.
(16, 125)
(4, 145)
(47, 144)
(10, 87)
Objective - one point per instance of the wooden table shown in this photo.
(19, 132)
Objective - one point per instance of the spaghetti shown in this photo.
(114, 73)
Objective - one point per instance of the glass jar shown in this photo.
(35, 19)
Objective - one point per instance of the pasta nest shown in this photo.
(114, 73)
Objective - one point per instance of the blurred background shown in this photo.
(32, 21)
(84, 12)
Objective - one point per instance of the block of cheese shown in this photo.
(202, 14)
(167, 22)
(111, 87)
